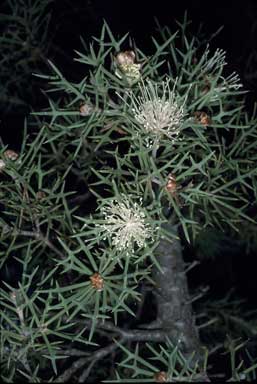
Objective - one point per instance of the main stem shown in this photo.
(174, 307)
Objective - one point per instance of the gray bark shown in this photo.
(175, 314)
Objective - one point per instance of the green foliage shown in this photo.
(166, 361)
(92, 149)
(24, 44)
(169, 364)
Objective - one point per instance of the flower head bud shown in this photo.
(11, 155)
(126, 223)
(127, 67)
(125, 58)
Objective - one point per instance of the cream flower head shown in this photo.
(157, 110)
(125, 222)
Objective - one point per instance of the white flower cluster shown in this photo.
(215, 62)
(231, 83)
(126, 223)
(158, 115)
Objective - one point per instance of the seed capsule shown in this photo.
(171, 185)
(202, 118)
(40, 195)
(127, 67)
(160, 377)
(125, 58)
(85, 109)
(97, 281)
(11, 155)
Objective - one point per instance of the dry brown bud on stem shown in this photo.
(202, 118)
(97, 281)
(160, 377)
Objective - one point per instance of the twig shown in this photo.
(198, 295)
(81, 198)
(36, 235)
(99, 354)
(125, 336)
(191, 266)
(208, 323)
(156, 335)
(86, 372)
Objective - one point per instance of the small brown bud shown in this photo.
(97, 281)
(161, 377)
(40, 195)
(171, 185)
(85, 109)
(125, 58)
(202, 118)
(11, 155)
